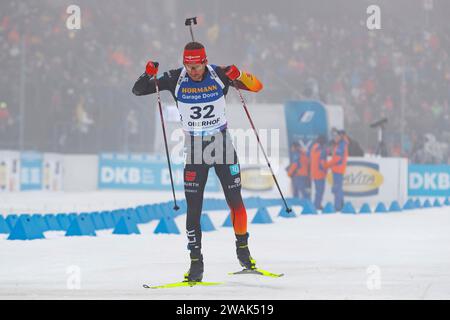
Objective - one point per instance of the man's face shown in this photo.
(195, 71)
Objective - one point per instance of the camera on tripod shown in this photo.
(381, 149)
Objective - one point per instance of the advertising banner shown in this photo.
(31, 173)
(308, 119)
(9, 171)
(429, 180)
(367, 179)
(143, 172)
(53, 172)
(372, 180)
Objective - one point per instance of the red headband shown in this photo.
(194, 56)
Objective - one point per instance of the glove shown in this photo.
(151, 68)
(232, 72)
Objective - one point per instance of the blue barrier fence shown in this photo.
(127, 220)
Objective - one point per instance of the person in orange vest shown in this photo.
(338, 164)
(318, 158)
(298, 171)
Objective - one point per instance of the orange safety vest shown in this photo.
(338, 162)
(299, 166)
(318, 158)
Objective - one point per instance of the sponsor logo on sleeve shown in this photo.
(190, 176)
(234, 169)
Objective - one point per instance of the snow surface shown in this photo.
(322, 256)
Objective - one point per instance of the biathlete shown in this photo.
(199, 90)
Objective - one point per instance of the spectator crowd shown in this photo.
(71, 89)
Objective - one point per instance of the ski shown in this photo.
(182, 284)
(259, 272)
(185, 283)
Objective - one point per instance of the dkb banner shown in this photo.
(429, 180)
(143, 172)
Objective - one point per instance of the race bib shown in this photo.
(201, 104)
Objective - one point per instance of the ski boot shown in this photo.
(195, 272)
(243, 254)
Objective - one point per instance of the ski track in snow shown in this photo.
(322, 256)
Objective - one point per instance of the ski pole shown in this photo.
(176, 207)
(261, 146)
(189, 22)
